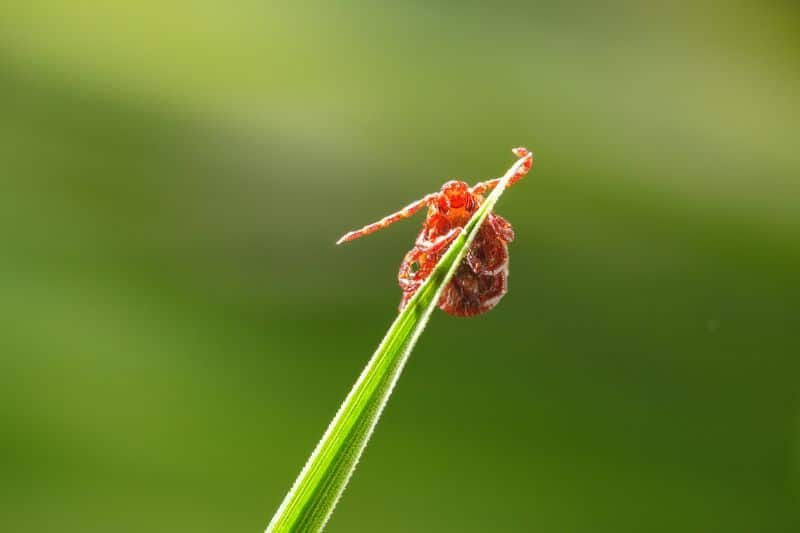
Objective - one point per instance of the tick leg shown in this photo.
(406, 212)
(488, 256)
(501, 226)
(522, 153)
(493, 288)
(420, 261)
(431, 246)
(409, 276)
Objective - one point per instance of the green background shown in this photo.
(177, 327)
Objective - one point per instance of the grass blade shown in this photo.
(312, 498)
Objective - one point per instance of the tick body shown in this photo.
(482, 277)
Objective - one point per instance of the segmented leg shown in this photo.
(411, 272)
(418, 263)
(493, 288)
(470, 294)
(489, 258)
(501, 226)
(439, 243)
(483, 186)
(406, 212)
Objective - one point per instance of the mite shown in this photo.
(482, 277)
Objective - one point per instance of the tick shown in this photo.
(482, 277)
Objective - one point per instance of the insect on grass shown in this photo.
(482, 277)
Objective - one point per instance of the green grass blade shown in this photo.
(312, 498)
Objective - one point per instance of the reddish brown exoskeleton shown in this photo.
(482, 277)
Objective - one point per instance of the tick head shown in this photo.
(455, 195)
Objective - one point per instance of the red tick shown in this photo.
(482, 277)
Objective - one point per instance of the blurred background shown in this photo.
(177, 326)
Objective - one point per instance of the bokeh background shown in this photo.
(177, 326)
